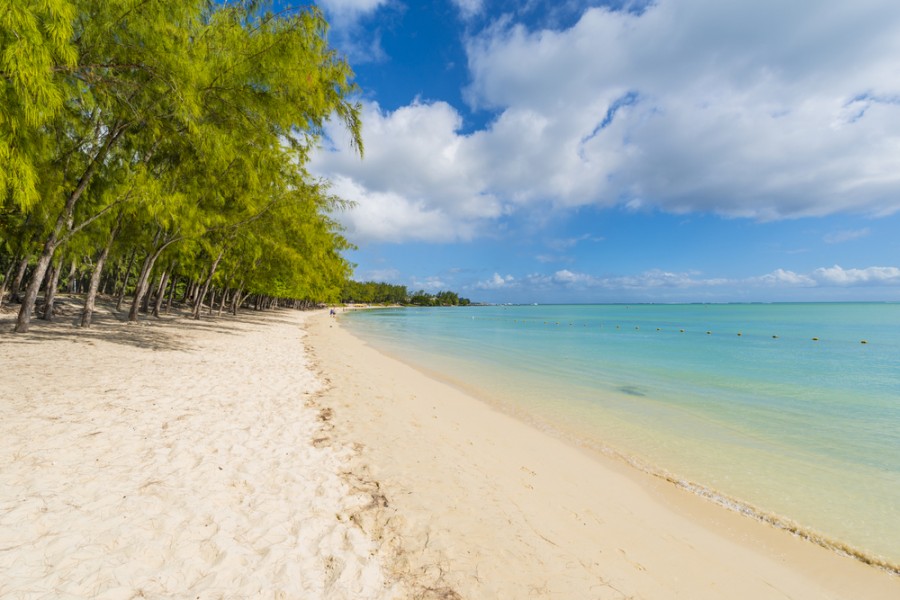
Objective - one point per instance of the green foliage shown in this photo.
(35, 40)
(371, 292)
(186, 122)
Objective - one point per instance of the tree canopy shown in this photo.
(166, 142)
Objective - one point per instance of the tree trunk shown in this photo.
(88, 312)
(171, 292)
(142, 282)
(5, 286)
(151, 286)
(161, 293)
(53, 240)
(50, 289)
(141, 286)
(16, 287)
(188, 287)
(72, 281)
(23, 321)
(202, 295)
(236, 299)
(222, 302)
(125, 280)
(113, 276)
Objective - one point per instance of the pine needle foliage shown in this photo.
(174, 132)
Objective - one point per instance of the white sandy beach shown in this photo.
(174, 460)
(277, 456)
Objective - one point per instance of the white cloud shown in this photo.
(857, 277)
(660, 282)
(561, 244)
(764, 109)
(566, 277)
(346, 33)
(388, 216)
(418, 180)
(781, 277)
(344, 10)
(830, 277)
(736, 108)
(469, 8)
(649, 280)
(839, 237)
(386, 275)
(496, 282)
(429, 284)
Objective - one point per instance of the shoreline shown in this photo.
(594, 446)
(760, 552)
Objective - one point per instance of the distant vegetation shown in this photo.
(371, 292)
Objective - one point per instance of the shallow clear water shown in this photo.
(737, 398)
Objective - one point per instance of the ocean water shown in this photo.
(788, 411)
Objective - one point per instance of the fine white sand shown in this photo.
(479, 504)
(174, 460)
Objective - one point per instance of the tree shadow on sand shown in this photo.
(154, 333)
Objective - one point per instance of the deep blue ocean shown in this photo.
(790, 411)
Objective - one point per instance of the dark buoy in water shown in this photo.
(815, 339)
(740, 334)
(774, 337)
(709, 333)
(681, 330)
(863, 342)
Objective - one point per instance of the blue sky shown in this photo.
(623, 151)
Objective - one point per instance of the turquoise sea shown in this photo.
(788, 411)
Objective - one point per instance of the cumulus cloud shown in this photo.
(857, 277)
(429, 284)
(782, 277)
(566, 276)
(734, 108)
(388, 216)
(496, 282)
(835, 276)
(418, 179)
(765, 110)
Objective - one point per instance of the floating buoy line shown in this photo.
(619, 327)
